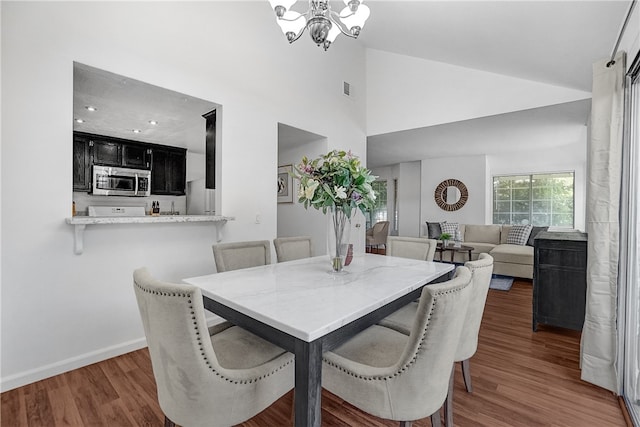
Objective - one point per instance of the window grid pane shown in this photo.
(537, 199)
(379, 212)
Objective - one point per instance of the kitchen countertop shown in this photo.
(81, 222)
(88, 220)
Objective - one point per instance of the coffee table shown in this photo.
(451, 248)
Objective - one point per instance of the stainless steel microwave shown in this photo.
(110, 181)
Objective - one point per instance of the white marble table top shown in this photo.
(304, 300)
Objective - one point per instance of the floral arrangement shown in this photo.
(335, 179)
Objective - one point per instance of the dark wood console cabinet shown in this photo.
(560, 279)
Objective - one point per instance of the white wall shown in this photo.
(406, 93)
(409, 187)
(472, 171)
(60, 310)
(293, 218)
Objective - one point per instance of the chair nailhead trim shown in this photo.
(413, 359)
(201, 346)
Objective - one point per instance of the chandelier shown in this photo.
(323, 24)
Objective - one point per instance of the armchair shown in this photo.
(377, 235)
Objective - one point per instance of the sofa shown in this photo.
(508, 259)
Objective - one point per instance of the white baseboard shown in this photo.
(33, 375)
(57, 368)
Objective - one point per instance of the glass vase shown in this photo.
(338, 238)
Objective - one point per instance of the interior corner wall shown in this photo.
(409, 190)
(472, 172)
(293, 218)
(426, 93)
(81, 308)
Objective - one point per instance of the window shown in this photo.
(395, 205)
(537, 199)
(629, 310)
(379, 212)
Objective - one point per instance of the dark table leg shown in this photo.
(308, 385)
(469, 254)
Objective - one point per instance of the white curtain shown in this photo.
(599, 347)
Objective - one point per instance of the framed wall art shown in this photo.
(285, 184)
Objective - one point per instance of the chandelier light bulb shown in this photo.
(292, 23)
(353, 4)
(284, 4)
(355, 21)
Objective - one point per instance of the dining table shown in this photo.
(305, 308)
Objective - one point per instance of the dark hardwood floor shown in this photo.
(520, 378)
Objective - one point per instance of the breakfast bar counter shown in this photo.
(80, 222)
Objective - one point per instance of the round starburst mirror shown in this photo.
(451, 195)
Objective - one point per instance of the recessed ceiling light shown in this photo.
(90, 108)
(153, 122)
(79, 121)
(136, 130)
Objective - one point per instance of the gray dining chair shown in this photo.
(402, 377)
(411, 247)
(206, 377)
(236, 255)
(292, 248)
(401, 321)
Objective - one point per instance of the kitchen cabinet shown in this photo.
(136, 156)
(110, 151)
(106, 152)
(81, 164)
(168, 171)
(168, 164)
(560, 279)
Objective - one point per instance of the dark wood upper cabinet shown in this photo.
(169, 171)
(106, 152)
(210, 149)
(136, 156)
(81, 164)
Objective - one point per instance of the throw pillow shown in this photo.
(519, 234)
(449, 227)
(433, 230)
(534, 233)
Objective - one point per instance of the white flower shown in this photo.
(312, 184)
(341, 192)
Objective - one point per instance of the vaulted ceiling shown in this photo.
(551, 42)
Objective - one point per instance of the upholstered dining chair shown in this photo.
(291, 248)
(236, 255)
(377, 235)
(217, 377)
(401, 321)
(402, 377)
(411, 247)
